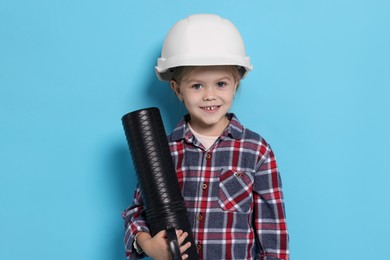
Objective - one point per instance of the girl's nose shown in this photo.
(209, 94)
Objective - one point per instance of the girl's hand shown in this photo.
(157, 247)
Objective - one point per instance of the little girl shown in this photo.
(227, 173)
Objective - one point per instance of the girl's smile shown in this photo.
(211, 108)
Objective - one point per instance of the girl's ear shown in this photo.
(176, 88)
(237, 85)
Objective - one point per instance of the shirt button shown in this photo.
(204, 186)
(208, 155)
(238, 174)
(198, 247)
(200, 217)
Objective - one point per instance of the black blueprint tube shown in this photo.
(164, 204)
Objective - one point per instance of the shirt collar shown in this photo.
(182, 131)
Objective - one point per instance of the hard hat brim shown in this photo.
(164, 68)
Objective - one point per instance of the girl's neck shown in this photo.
(206, 140)
(209, 130)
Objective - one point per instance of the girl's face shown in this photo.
(207, 93)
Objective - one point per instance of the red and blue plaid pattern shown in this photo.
(233, 195)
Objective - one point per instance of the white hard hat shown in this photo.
(202, 40)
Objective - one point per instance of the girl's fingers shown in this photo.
(184, 247)
(182, 237)
(179, 232)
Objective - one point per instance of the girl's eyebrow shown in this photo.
(193, 80)
(225, 78)
(200, 81)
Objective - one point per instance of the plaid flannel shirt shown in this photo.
(233, 195)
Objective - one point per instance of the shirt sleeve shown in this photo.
(269, 212)
(134, 218)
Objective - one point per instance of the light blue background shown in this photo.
(319, 93)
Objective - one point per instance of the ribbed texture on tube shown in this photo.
(156, 174)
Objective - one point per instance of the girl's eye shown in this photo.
(196, 86)
(221, 84)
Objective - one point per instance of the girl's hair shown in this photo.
(179, 73)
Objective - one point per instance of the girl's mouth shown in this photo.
(210, 108)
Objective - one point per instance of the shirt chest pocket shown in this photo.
(235, 191)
